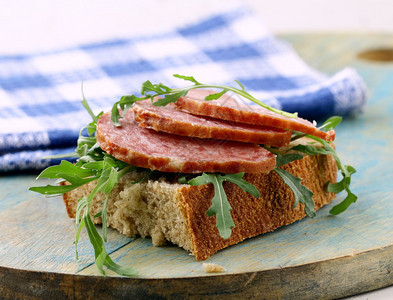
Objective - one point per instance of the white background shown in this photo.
(39, 25)
(28, 25)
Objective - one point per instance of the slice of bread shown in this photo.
(169, 211)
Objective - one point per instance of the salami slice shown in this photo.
(168, 119)
(166, 152)
(227, 108)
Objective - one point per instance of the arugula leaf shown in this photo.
(220, 206)
(240, 182)
(331, 123)
(93, 164)
(346, 172)
(216, 95)
(286, 159)
(344, 183)
(150, 91)
(125, 103)
(343, 205)
(169, 98)
(147, 86)
(187, 78)
(182, 180)
(56, 190)
(67, 171)
(53, 172)
(301, 193)
(201, 180)
(107, 180)
(341, 186)
(328, 125)
(102, 257)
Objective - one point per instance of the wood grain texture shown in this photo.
(302, 281)
(327, 257)
(36, 234)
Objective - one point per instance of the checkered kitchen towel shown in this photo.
(40, 93)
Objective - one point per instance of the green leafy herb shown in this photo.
(301, 193)
(163, 95)
(216, 95)
(169, 98)
(286, 159)
(327, 149)
(220, 206)
(182, 180)
(102, 257)
(76, 176)
(330, 123)
(93, 164)
(187, 78)
(346, 172)
(125, 103)
(244, 185)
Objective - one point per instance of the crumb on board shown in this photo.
(213, 268)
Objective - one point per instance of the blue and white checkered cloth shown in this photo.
(40, 93)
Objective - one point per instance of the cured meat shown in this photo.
(227, 108)
(168, 119)
(165, 152)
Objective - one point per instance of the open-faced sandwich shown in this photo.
(198, 168)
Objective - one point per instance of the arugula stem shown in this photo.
(298, 136)
(232, 89)
(150, 91)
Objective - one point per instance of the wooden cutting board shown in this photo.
(325, 257)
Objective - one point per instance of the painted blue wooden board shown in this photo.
(36, 234)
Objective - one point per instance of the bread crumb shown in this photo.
(213, 268)
(157, 236)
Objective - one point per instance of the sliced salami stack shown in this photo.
(194, 135)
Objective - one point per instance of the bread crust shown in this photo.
(251, 216)
(69, 203)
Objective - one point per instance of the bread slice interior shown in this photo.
(165, 210)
